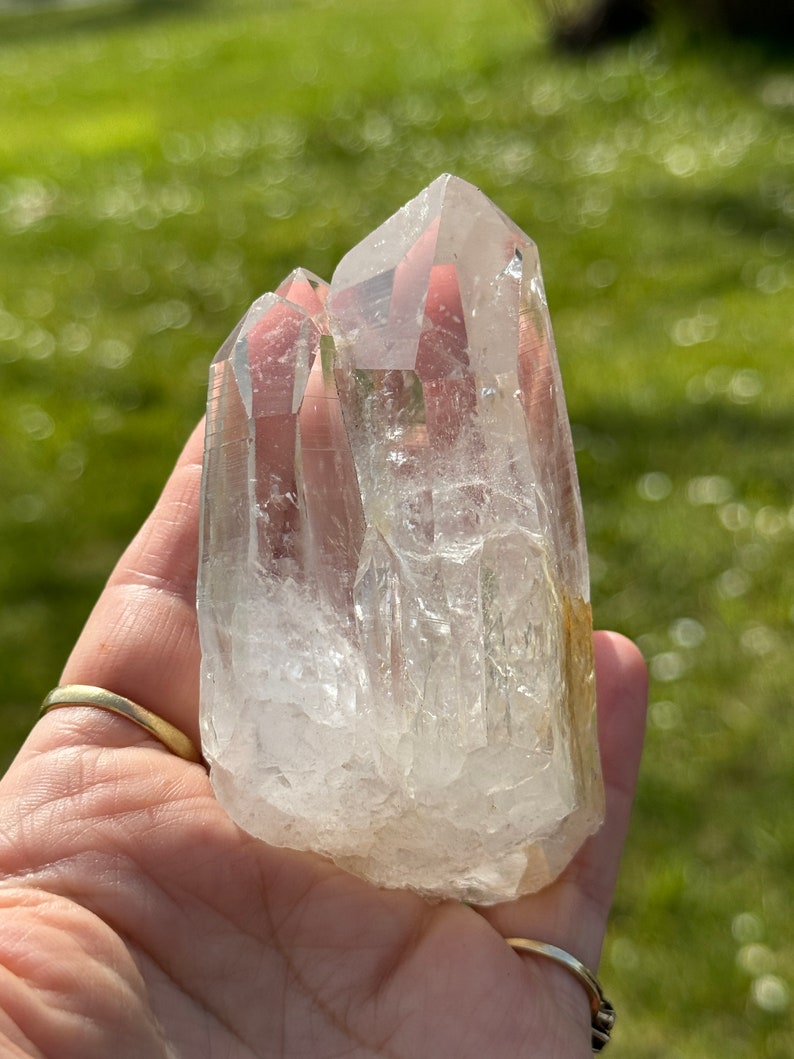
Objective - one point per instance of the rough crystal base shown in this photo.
(393, 594)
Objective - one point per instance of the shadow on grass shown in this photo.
(748, 443)
(40, 19)
(742, 213)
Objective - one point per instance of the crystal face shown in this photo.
(393, 591)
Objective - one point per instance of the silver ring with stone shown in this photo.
(603, 1014)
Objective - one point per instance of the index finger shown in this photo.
(141, 639)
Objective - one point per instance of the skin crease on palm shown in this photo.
(136, 920)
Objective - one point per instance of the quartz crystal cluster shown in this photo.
(393, 592)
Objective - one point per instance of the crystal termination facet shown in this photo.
(393, 592)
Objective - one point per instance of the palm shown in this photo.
(171, 933)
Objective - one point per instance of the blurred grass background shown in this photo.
(161, 164)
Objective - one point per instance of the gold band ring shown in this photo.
(603, 1014)
(86, 695)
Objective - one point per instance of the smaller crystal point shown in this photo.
(393, 594)
(303, 288)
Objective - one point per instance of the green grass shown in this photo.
(161, 165)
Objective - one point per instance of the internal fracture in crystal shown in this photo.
(393, 591)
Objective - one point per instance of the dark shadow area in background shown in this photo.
(712, 427)
(741, 214)
(604, 22)
(38, 19)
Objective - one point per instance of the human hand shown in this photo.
(138, 921)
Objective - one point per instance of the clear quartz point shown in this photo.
(393, 592)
